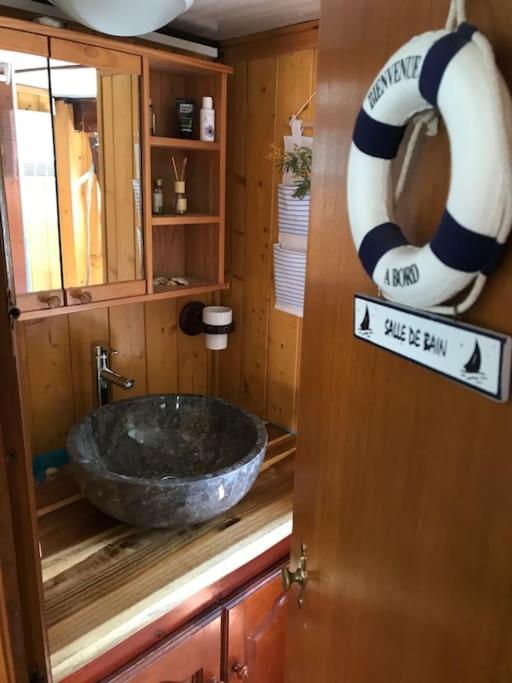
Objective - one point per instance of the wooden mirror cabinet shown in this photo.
(86, 125)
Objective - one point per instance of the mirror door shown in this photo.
(96, 114)
(26, 139)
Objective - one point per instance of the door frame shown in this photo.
(12, 646)
(16, 480)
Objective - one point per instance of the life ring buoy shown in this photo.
(454, 72)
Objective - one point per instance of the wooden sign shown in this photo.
(472, 356)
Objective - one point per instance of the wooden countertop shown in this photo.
(104, 581)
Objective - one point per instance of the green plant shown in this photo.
(297, 163)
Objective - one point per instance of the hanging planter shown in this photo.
(293, 217)
(294, 192)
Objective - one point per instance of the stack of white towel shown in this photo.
(290, 253)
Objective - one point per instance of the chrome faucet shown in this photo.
(102, 376)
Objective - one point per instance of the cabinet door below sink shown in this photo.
(256, 630)
(192, 655)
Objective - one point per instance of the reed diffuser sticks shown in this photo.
(179, 177)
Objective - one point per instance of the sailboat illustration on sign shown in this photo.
(365, 323)
(475, 362)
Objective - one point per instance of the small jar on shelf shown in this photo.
(180, 198)
(158, 197)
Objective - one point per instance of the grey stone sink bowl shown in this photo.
(166, 461)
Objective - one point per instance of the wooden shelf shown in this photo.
(159, 295)
(188, 219)
(104, 581)
(163, 292)
(179, 143)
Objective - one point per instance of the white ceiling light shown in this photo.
(123, 17)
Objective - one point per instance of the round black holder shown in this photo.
(191, 321)
(191, 318)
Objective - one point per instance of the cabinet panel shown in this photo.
(192, 655)
(256, 631)
(99, 57)
(21, 41)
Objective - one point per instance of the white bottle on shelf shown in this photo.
(207, 122)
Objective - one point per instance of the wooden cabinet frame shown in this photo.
(193, 653)
(12, 646)
(139, 59)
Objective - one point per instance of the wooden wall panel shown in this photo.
(230, 360)
(161, 346)
(259, 206)
(260, 369)
(56, 356)
(84, 329)
(193, 359)
(127, 337)
(50, 381)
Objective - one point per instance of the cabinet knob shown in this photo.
(52, 301)
(85, 298)
(241, 671)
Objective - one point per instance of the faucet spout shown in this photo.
(103, 377)
(112, 377)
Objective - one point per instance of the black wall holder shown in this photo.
(191, 321)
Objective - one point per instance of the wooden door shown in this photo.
(255, 632)
(404, 479)
(190, 656)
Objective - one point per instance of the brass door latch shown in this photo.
(299, 576)
(241, 671)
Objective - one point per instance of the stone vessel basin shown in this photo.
(166, 461)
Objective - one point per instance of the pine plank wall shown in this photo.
(274, 75)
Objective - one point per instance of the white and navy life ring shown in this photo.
(455, 73)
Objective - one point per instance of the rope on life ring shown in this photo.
(441, 45)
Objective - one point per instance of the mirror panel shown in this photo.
(26, 139)
(97, 131)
